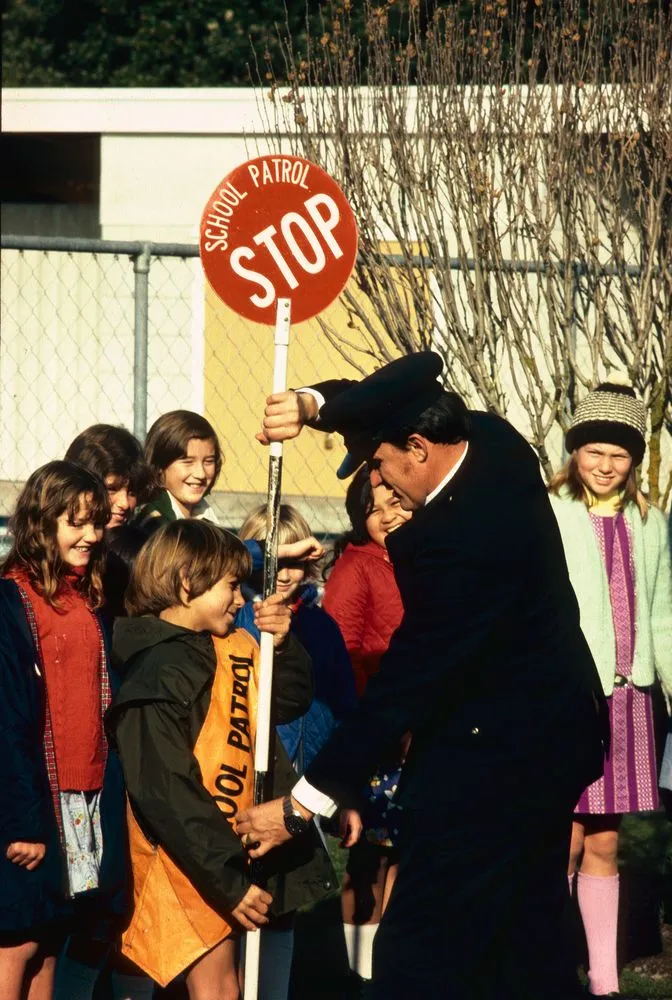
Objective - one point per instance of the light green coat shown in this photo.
(653, 591)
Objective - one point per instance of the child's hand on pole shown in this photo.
(285, 415)
(273, 615)
(26, 854)
(252, 909)
(308, 548)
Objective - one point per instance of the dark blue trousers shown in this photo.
(480, 909)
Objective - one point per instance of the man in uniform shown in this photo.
(491, 674)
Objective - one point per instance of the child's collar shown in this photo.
(201, 512)
(307, 594)
(604, 506)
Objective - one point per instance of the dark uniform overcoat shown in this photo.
(490, 672)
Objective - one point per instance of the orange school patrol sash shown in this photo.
(172, 925)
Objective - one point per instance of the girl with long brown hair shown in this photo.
(61, 800)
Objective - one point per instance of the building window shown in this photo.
(50, 184)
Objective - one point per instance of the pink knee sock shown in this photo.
(598, 903)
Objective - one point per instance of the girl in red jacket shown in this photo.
(361, 595)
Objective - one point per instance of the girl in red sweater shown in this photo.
(361, 595)
(55, 689)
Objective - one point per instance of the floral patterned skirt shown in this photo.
(83, 839)
(381, 816)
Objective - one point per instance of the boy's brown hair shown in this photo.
(168, 439)
(185, 551)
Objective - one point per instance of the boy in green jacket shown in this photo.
(184, 722)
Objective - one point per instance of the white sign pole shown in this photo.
(262, 741)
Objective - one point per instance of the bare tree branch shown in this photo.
(518, 164)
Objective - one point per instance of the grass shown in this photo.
(646, 873)
(645, 843)
(645, 987)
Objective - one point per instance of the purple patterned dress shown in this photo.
(630, 780)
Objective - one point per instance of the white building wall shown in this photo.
(67, 321)
(163, 150)
(155, 187)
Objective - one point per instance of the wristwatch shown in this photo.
(295, 823)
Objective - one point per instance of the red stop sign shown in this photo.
(278, 227)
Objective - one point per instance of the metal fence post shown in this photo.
(141, 264)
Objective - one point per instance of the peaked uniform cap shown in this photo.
(610, 414)
(388, 399)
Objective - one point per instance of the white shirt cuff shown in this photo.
(319, 399)
(310, 798)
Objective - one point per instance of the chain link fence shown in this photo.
(99, 331)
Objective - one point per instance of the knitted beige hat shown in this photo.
(610, 414)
